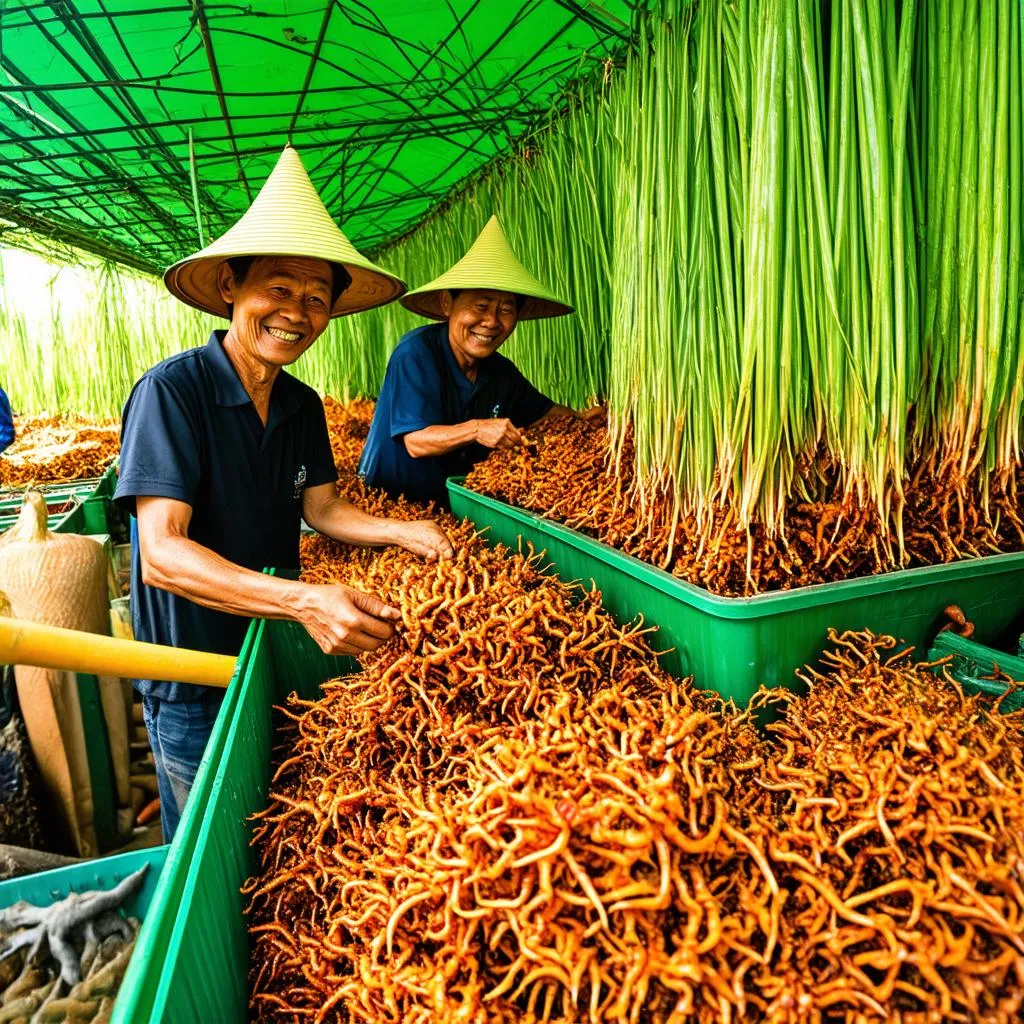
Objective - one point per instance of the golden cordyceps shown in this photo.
(511, 812)
(568, 471)
(348, 423)
(899, 837)
(48, 449)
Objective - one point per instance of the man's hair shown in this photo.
(520, 299)
(340, 277)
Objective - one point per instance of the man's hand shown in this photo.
(497, 433)
(343, 620)
(596, 415)
(424, 537)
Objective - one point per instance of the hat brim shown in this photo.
(428, 303)
(194, 282)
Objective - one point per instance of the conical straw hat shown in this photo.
(287, 218)
(490, 263)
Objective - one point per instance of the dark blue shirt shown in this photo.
(190, 432)
(6, 422)
(424, 387)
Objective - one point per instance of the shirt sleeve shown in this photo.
(159, 445)
(320, 467)
(413, 390)
(6, 422)
(528, 404)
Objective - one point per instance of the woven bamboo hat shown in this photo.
(490, 263)
(287, 218)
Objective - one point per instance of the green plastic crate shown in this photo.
(972, 662)
(202, 975)
(106, 483)
(11, 506)
(72, 521)
(94, 495)
(12, 497)
(46, 887)
(138, 991)
(733, 644)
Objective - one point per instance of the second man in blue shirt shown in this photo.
(448, 396)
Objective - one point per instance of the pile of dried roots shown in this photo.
(48, 449)
(512, 813)
(568, 472)
(898, 837)
(501, 815)
(348, 423)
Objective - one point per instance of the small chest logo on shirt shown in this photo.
(496, 411)
(300, 481)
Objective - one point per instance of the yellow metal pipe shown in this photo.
(31, 643)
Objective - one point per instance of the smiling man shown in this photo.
(223, 453)
(448, 396)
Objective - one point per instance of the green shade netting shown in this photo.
(390, 104)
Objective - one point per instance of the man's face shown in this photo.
(281, 308)
(479, 320)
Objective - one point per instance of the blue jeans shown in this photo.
(178, 733)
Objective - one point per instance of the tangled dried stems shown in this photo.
(567, 471)
(51, 449)
(898, 834)
(348, 423)
(511, 813)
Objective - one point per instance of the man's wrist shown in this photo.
(391, 531)
(294, 599)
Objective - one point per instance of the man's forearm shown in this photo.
(342, 521)
(188, 569)
(440, 440)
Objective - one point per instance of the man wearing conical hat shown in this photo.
(448, 396)
(223, 453)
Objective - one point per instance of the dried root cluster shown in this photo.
(513, 814)
(898, 836)
(48, 449)
(348, 423)
(568, 472)
(503, 815)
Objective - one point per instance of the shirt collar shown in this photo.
(227, 386)
(229, 390)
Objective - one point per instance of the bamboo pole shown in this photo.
(31, 643)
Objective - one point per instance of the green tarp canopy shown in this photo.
(129, 128)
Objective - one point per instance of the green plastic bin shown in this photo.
(11, 506)
(72, 521)
(202, 975)
(106, 483)
(94, 495)
(138, 991)
(733, 644)
(201, 911)
(46, 887)
(972, 662)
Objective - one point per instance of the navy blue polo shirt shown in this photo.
(424, 387)
(190, 432)
(6, 422)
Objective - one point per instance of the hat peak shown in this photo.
(287, 218)
(490, 262)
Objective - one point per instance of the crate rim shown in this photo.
(760, 605)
